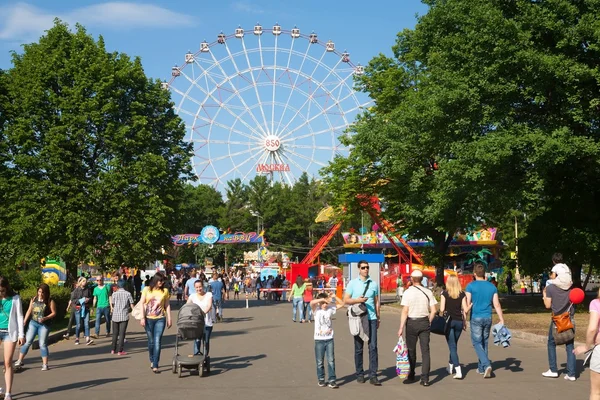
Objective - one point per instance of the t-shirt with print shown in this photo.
(101, 293)
(482, 295)
(560, 299)
(156, 302)
(355, 289)
(419, 301)
(323, 323)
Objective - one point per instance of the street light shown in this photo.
(258, 218)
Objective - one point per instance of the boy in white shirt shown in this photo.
(323, 309)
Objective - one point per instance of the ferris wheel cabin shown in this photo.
(175, 71)
(164, 86)
(277, 30)
(345, 56)
(359, 69)
(221, 38)
(239, 32)
(295, 33)
(258, 30)
(313, 38)
(204, 47)
(330, 46)
(189, 57)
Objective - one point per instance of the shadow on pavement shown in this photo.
(74, 385)
(220, 365)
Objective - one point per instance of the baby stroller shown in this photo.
(190, 326)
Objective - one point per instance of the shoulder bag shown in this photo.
(563, 321)
(363, 306)
(440, 325)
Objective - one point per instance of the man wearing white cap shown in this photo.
(419, 308)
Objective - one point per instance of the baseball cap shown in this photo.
(416, 273)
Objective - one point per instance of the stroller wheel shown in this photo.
(179, 369)
(174, 366)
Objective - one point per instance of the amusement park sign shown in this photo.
(194, 239)
(272, 168)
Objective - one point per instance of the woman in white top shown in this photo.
(11, 329)
(204, 301)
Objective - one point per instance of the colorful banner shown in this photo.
(377, 237)
(194, 239)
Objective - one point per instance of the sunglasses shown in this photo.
(364, 267)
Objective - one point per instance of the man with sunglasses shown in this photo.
(364, 290)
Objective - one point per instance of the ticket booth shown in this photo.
(350, 263)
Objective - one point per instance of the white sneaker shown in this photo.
(570, 378)
(550, 374)
(450, 367)
(488, 372)
(458, 373)
(44, 367)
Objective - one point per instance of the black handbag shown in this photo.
(440, 324)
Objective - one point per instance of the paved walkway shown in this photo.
(258, 353)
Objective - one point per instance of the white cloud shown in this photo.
(24, 22)
(245, 7)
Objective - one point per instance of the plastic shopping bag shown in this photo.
(402, 365)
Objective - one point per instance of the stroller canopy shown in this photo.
(190, 322)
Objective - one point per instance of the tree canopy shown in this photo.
(95, 163)
(485, 111)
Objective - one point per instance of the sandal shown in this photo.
(155, 370)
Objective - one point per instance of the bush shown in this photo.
(59, 294)
(22, 279)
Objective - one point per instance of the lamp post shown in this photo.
(258, 218)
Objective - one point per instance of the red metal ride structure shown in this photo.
(373, 208)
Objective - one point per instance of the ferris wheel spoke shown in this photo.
(315, 133)
(227, 127)
(264, 157)
(213, 141)
(254, 83)
(222, 105)
(237, 166)
(323, 112)
(238, 73)
(312, 160)
(301, 146)
(304, 57)
(319, 86)
(239, 153)
(283, 154)
(284, 174)
(274, 85)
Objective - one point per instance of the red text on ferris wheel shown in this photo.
(272, 168)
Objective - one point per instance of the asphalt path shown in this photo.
(259, 353)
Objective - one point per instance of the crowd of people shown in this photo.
(313, 300)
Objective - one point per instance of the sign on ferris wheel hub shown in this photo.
(265, 101)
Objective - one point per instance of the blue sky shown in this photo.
(161, 32)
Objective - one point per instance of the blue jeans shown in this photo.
(480, 333)
(42, 330)
(307, 311)
(154, 330)
(452, 339)
(297, 306)
(100, 311)
(358, 351)
(86, 323)
(324, 348)
(571, 359)
(207, 333)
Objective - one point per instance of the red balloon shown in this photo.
(576, 296)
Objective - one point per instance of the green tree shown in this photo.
(487, 110)
(98, 162)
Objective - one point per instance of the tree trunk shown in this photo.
(441, 242)
(576, 274)
(587, 276)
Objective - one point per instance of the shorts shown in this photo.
(595, 360)
(4, 335)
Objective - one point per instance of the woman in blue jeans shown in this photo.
(454, 302)
(80, 305)
(42, 310)
(157, 314)
(297, 299)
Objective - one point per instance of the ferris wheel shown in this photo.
(273, 104)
